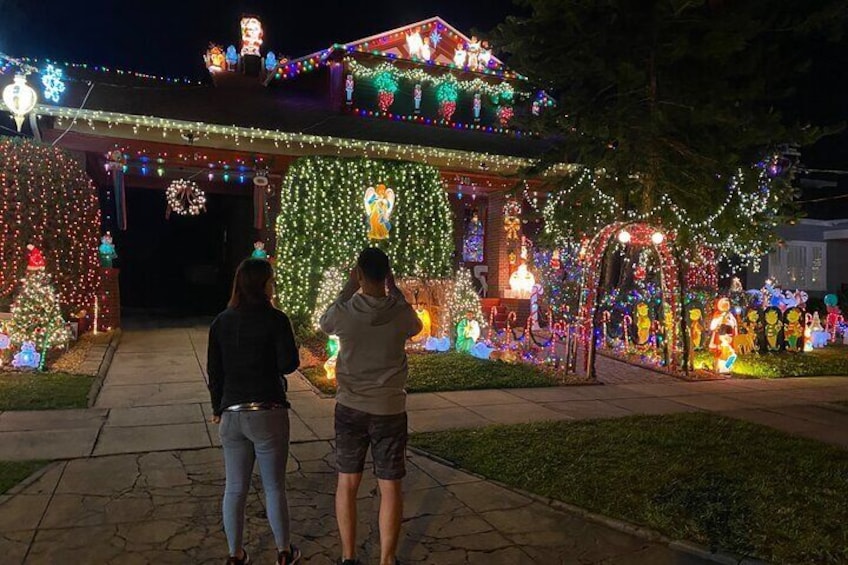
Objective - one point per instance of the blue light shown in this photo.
(54, 86)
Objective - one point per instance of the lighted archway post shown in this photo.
(592, 258)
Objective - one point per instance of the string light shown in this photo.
(321, 224)
(47, 199)
(284, 142)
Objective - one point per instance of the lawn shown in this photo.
(720, 482)
(43, 391)
(13, 472)
(831, 360)
(454, 371)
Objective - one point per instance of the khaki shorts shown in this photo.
(387, 436)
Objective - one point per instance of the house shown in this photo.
(424, 92)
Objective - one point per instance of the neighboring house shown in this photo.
(813, 253)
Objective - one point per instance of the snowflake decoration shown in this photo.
(435, 38)
(54, 86)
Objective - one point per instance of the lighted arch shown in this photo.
(591, 257)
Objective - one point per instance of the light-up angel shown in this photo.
(379, 204)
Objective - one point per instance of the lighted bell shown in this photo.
(657, 237)
(624, 236)
(20, 98)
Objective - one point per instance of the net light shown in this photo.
(20, 98)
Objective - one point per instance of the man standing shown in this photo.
(371, 371)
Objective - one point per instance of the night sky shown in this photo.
(168, 37)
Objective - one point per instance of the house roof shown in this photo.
(392, 44)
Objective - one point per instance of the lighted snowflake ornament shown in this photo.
(54, 85)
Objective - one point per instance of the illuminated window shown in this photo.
(800, 264)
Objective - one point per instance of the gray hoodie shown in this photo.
(371, 369)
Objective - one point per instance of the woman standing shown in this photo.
(251, 349)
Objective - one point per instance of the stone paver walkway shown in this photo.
(141, 477)
(164, 507)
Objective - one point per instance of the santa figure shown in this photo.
(35, 260)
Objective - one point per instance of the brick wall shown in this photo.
(496, 247)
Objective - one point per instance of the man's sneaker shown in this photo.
(236, 561)
(293, 555)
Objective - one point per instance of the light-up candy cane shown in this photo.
(605, 318)
(492, 314)
(556, 332)
(511, 317)
(550, 319)
(626, 321)
(840, 319)
(535, 293)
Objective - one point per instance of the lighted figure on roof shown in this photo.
(460, 56)
(485, 56)
(723, 327)
(251, 36)
(349, 89)
(379, 204)
(54, 85)
(215, 59)
(473, 49)
(107, 250)
(27, 357)
(270, 61)
(259, 251)
(418, 47)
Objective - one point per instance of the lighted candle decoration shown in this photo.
(510, 319)
(492, 314)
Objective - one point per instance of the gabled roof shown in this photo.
(443, 40)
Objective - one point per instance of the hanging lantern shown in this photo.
(20, 98)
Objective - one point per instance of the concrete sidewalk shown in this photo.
(155, 399)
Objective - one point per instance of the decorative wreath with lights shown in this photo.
(185, 198)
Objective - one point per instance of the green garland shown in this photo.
(322, 224)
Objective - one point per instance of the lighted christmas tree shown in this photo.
(463, 298)
(331, 284)
(36, 316)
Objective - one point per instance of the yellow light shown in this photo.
(657, 238)
(624, 236)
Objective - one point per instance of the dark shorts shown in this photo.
(387, 435)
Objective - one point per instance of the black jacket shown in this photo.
(251, 349)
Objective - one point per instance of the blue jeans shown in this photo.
(262, 435)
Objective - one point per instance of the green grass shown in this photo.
(720, 482)
(829, 361)
(13, 472)
(43, 391)
(455, 371)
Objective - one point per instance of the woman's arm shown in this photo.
(215, 370)
(288, 358)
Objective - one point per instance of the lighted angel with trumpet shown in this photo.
(379, 205)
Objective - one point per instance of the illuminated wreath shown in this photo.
(185, 198)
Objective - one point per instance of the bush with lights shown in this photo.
(322, 224)
(47, 199)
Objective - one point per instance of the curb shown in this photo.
(722, 557)
(105, 363)
(37, 474)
